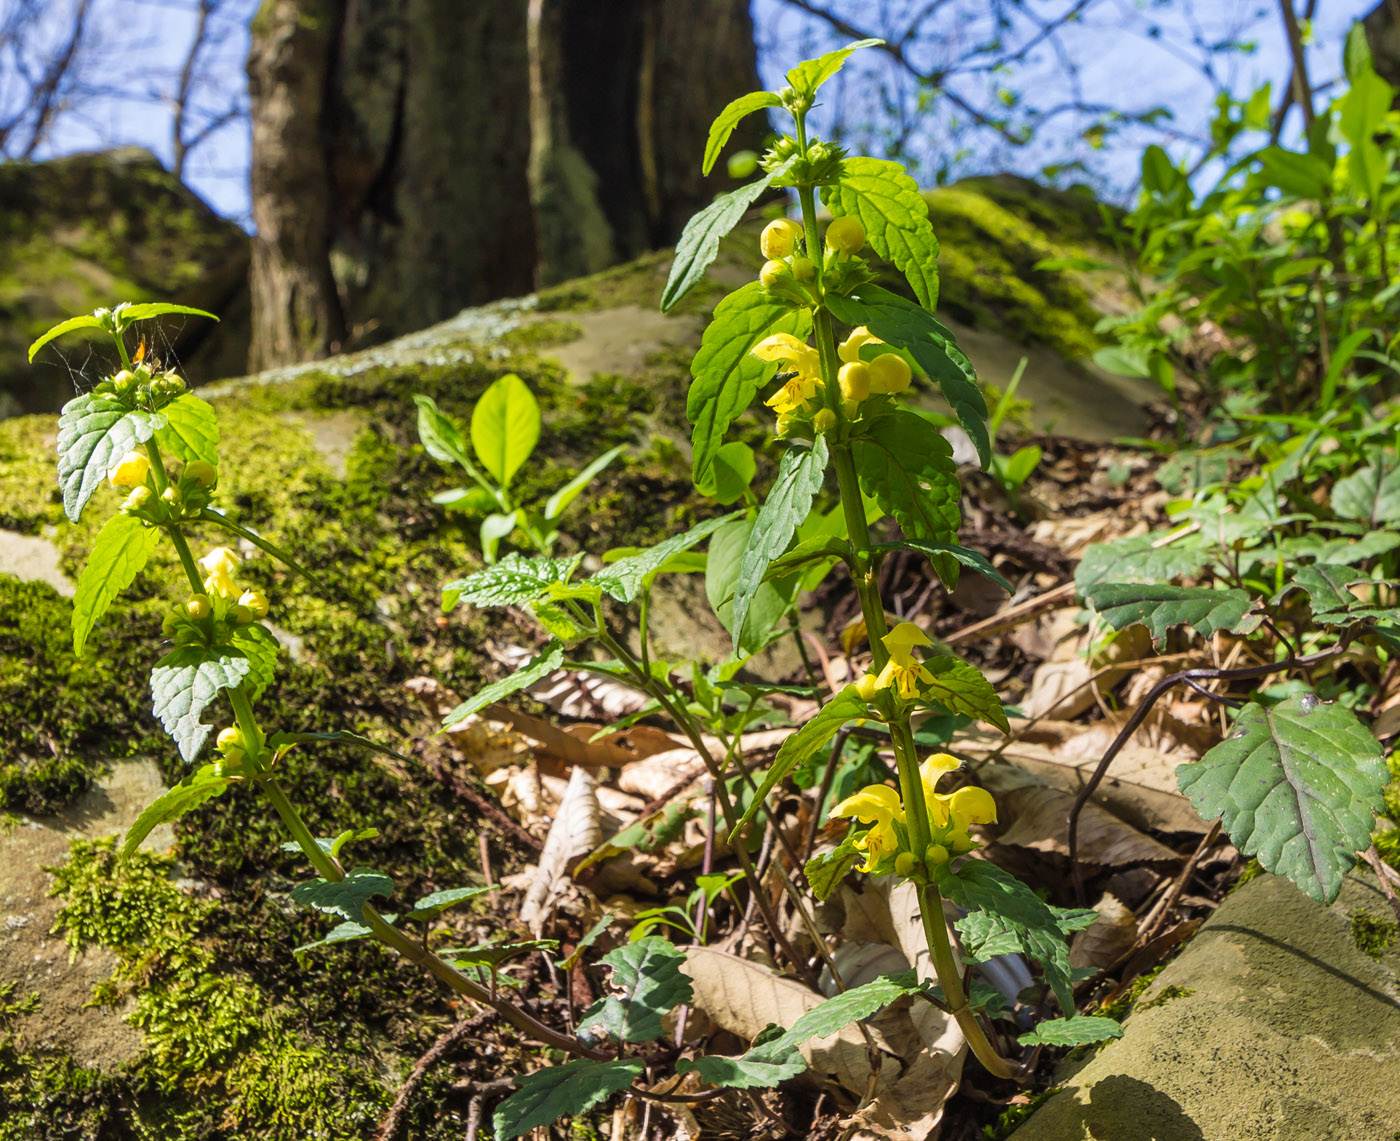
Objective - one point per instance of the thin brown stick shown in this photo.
(1163, 909)
(390, 1127)
(1380, 867)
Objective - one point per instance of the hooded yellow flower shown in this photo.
(849, 349)
(794, 395)
(788, 349)
(903, 671)
(876, 804)
(218, 566)
(130, 470)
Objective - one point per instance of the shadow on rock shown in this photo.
(1121, 1107)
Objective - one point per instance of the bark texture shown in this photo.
(413, 157)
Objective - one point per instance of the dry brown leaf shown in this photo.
(1108, 938)
(654, 776)
(1063, 689)
(576, 832)
(911, 1108)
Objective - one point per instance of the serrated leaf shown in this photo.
(844, 706)
(964, 555)
(1343, 552)
(648, 973)
(85, 321)
(725, 376)
(341, 933)
(94, 432)
(624, 579)
(434, 904)
(1137, 560)
(1080, 1030)
(544, 664)
(505, 427)
(347, 897)
(895, 216)
(191, 429)
(1332, 602)
(826, 871)
(905, 325)
(1371, 495)
(763, 1066)
(810, 74)
(203, 784)
(560, 1091)
(817, 549)
(961, 688)
(725, 122)
(801, 473)
(514, 581)
(1160, 606)
(123, 547)
(258, 644)
(699, 244)
(907, 467)
(1295, 785)
(492, 956)
(184, 682)
(1004, 915)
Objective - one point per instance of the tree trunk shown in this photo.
(460, 152)
(1382, 26)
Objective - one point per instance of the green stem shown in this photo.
(121, 349)
(177, 537)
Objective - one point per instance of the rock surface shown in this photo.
(1272, 1025)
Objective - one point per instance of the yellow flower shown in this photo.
(876, 804)
(855, 378)
(789, 350)
(849, 349)
(218, 566)
(201, 472)
(772, 273)
(793, 395)
(903, 671)
(889, 373)
(778, 238)
(255, 601)
(846, 235)
(130, 470)
(865, 686)
(824, 420)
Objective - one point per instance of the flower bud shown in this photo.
(846, 235)
(779, 237)
(772, 272)
(786, 422)
(904, 864)
(866, 687)
(889, 373)
(804, 269)
(198, 607)
(130, 470)
(241, 614)
(167, 624)
(855, 380)
(824, 420)
(935, 855)
(139, 497)
(255, 601)
(123, 378)
(201, 472)
(850, 409)
(173, 497)
(228, 737)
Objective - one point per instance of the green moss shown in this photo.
(541, 334)
(1166, 996)
(1014, 1116)
(1372, 935)
(1123, 1005)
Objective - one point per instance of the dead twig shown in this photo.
(390, 1127)
(1163, 909)
(1384, 872)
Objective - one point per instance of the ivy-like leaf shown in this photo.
(810, 74)
(1137, 560)
(203, 784)
(560, 1091)
(191, 429)
(844, 706)
(258, 644)
(184, 682)
(123, 547)
(544, 664)
(699, 244)
(907, 467)
(1371, 495)
(1004, 915)
(1296, 785)
(726, 376)
(826, 871)
(1160, 606)
(895, 216)
(1080, 1030)
(505, 427)
(347, 897)
(434, 904)
(961, 688)
(725, 122)
(964, 555)
(801, 472)
(624, 579)
(94, 432)
(514, 581)
(905, 325)
(648, 973)
(1333, 604)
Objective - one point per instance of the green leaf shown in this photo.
(128, 315)
(648, 973)
(1004, 915)
(895, 216)
(94, 432)
(493, 956)
(810, 74)
(347, 897)
(771, 1060)
(1137, 560)
(1080, 1030)
(184, 682)
(1332, 602)
(966, 556)
(1344, 551)
(505, 427)
(1296, 785)
(258, 644)
(514, 581)
(191, 429)
(699, 244)
(494, 528)
(544, 664)
(907, 467)
(203, 784)
(844, 706)
(725, 122)
(624, 579)
(801, 473)
(818, 549)
(1301, 175)
(726, 376)
(1371, 495)
(589, 938)
(85, 321)
(1160, 606)
(826, 871)
(434, 904)
(123, 546)
(730, 473)
(560, 1091)
(905, 326)
(341, 933)
(558, 503)
(441, 436)
(961, 688)
(769, 603)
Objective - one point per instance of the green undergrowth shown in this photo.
(1373, 935)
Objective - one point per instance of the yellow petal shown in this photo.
(785, 347)
(972, 805)
(875, 802)
(904, 638)
(849, 350)
(934, 768)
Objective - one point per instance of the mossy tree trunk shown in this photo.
(446, 154)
